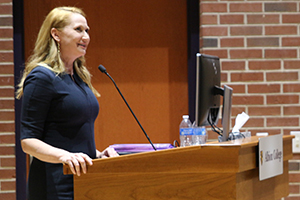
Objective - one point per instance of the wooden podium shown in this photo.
(227, 170)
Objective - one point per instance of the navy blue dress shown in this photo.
(60, 112)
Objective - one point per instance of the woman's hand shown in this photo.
(48, 153)
(76, 162)
(108, 152)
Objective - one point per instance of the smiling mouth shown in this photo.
(82, 45)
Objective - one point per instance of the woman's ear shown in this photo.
(55, 34)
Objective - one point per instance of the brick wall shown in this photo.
(7, 125)
(258, 43)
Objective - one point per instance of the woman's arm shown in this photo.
(48, 153)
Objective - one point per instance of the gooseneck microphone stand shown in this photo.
(103, 70)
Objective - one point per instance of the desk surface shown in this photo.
(226, 170)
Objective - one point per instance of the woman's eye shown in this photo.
(78, 29)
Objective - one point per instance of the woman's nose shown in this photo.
(86, 35)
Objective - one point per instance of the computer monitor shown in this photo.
(208, 92)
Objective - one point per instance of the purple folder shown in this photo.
(137, 148)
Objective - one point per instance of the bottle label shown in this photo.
(199, 131)
(186, 131)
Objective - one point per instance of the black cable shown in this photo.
(214, 127)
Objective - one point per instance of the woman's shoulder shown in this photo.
(43, 75)
(42, 71)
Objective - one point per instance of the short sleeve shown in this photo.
(38, 92)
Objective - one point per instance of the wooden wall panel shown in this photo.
(143, 45)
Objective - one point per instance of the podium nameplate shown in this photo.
(270, 156)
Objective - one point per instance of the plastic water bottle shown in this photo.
(199, 134)
(186, 131)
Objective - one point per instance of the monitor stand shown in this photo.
(226, 113)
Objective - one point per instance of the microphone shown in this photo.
(103, 70)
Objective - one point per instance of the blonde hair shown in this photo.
(46, 52)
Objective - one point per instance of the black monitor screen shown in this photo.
(208, 80)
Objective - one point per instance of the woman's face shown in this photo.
(74, 38)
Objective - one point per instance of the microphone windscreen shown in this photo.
(102, 68)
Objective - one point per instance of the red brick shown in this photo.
(281, 30)
(208, 19)
(5, 9)
(6, 32)
(282, 76)
(7, 150)
(245, 53)
(263, 42)
(233, 65)
(238, 88)
(6, 45)
(246, 30)
(237, 110)
(291, 87)
(248, 100)
(8, 162)
(264, 111)
(291, 41)
(213, 31)
(232, 42)
(291, 110)
(6, 92)
(7, 139)
(291, 18)
(8, 196)
(7, 127)
(6, 57)
(7, 104)
(221, 53)
(280, 53)
(291, 64)
(208, 43)
(247, 76)
(282, 121)
(6, 21)
(264, 64)
(254, 122)
(7, 173)
(6, 81)
(282, 99)
(231, 19)
(296, 156)
(213, 7)
(263, 18)
(264, 88)
(293, 166)
(224, 77)
(294, 189)
(245, 7)
(8, 185)
(6, 69)
(281, 7)
(7, 115)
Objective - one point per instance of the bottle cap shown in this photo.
(185, 116)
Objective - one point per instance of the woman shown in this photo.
(59, 106)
